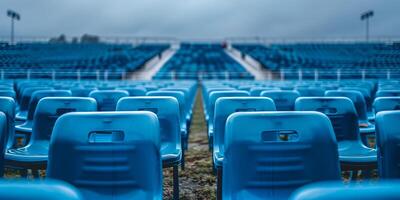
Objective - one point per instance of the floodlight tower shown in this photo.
(14, 16)
(365, 16)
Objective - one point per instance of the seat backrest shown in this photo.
(178, 95)
(218, 94)
(356, 97)
(387, 93)
(38, 95)
(277, 152)
(339, 190)
(8, 93)
(311, 91)
(49, 109)
(340, 111)
(3, 139)
(225, 106)
(111, 155)
(38, 190)
(81, 91)
(388, 144)
(135, 91)
(386, 103)
(7, 106)
(166, 109)
(27, 95)
(284, 99)
(107, 99)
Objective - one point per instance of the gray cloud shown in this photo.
(201, 18)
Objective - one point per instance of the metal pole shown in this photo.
(12, 31)
(367, 31)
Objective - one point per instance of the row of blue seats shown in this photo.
(53, 190)
(327, 58)
(171, 103)
(345, 108)
(277, 154)
(201, 61)
(44, 58)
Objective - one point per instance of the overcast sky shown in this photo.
(201, 18)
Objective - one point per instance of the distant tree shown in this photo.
(60, 39)
(92, 39)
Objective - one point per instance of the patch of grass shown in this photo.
(197, 181)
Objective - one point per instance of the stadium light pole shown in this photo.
(14, 16)
(365, 16)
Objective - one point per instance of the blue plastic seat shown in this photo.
(38, 190)
(224, 107)
(26, 128)
(388, 144)
(284, 99)
(35, 154)
(167, 111)
(386, 103)
(135, 91)
(211, 109)
(387, 190)
(387, 93)
(276, 153)
(367, 129)
(3, 139)
(81, 91)
(180, 97)
(24, 101)
(8, 93)
(113, 155)
(107, 99)
(353, 154)
(7, 106)
(311, 91)
(256, 91)
(188, 102)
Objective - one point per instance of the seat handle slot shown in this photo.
(106, 136)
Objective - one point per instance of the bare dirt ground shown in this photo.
(197, 181)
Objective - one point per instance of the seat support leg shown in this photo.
(219, 183)
(183, 160)
(176, 182)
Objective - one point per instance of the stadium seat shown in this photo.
(224, 107)
(134, 91)
(387, 93)
(7, 106)
(25, 99)
(3, 139)
(388, 144)
(35, 155)
(8, 93)
(386, 103)
(284, 100)
(167, 111)
(81, 92)
(367, 129)
(337, 190)
(38, 190)
(211, 108)
(310, 91)
(107, 99)
(272, 166)
(113, 155)
(25, 129)
(353, 155)
(180, 97)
